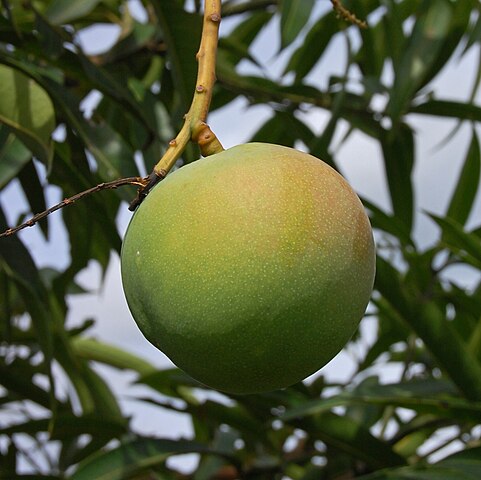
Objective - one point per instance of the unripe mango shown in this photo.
(250, 269)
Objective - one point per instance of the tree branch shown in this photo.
(68, 201)
(347, 15)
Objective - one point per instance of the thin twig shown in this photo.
(139, 181)
(347, 15)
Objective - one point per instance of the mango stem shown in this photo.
(194, 128)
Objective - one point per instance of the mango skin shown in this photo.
(250, 269)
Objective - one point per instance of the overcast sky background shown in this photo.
(360, 161)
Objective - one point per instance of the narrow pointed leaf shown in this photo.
(294, 16)
(467, 186)
(468, 244)
(450, 109)
(28, 111)
(13, 156)
(132, 458)
(399, 158)
(182, 33)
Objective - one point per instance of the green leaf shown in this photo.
(431, 397)
(283, 129)
(399, 158)
(170, 382)
(388, 223)
(467, 185)
(429, 322)
(13, 156)
(467, 244)
(91, 349)
(310, 52)
(67, 425)
(351, 437)
(94, 395)
(28, 111)
(114, 156)
(33, 190)
(235, 47)
(294, 16)
(463, 465)
(428, 35)
(445, 108)
(17, 378)
(134, 457)
(60, 11)
(182, 33)
(108, 85)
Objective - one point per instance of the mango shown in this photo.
(251, 268)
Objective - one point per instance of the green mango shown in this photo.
(251, 268)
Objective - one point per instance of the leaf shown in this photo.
(108, 85)
(170, 382)
(309, 54)
(235, 47)
(180, 29)
(13, 156)
(474, 35)
(60, 12)
(425, 42)
(463, 465)
(33, 190)
(67, 425)
(93, 393)
(467, 244)
(431, 397)
(133, 457)
(430, 324)
(467, 185)
(283, 129)
(28, 111)
(445, 108)
(388, 223)
(114, 156)
(294, 16)
(399, 158)
(17, 378)
(91, 349)
(353, 438)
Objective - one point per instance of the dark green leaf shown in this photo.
(388, 223)
(310, 52)
(33, 190)
(429, 322)
(342, 433)
(283, 129)
(467, 185)
(468, 244)
(132, 458)
(399, 158)
(444, 108)
(180, 29)
(294, 15)
(434, 397)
